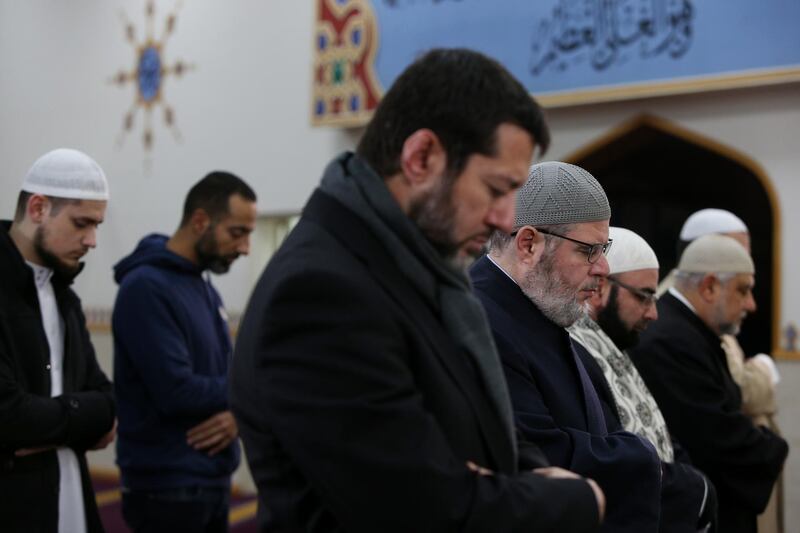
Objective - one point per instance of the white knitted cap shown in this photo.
(716, 253)
(629, 252)
(560, 193)
(67, 173)
(708, 221)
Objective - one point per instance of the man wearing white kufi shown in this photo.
(681, 360)
(756, 376)
(621, 308)
(707, 221)
(55, 402)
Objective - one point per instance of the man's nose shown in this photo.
(600, 267)
(501, 213)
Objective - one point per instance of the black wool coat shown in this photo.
(29, 417)
(684, 366)
(550, 408)
(357, 410)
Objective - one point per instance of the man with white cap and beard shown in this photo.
(55, 401)
(535, 283)
(756, 376)
(622, 307)
(684, 366)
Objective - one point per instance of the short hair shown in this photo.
(459, 94)
(499, 240)
(212, 194)
(56, 204)
(692, 280)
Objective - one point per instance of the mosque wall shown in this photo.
(242, 104)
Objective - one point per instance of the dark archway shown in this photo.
(656, 174)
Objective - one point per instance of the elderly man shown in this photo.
(683, 364)
(177, 437)
(368, 391)
(756, 376)
(55, 402)
(621, 308)
(535, 283)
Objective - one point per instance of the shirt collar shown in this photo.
(677, 294)
(501, 269)
(41, 275)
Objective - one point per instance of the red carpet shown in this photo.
(242, 516)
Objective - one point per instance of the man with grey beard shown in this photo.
(535, 283)
(682, 360)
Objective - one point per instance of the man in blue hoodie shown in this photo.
(177, 439)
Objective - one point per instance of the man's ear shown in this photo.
(38, 208)
(200, 221)
(529, 245)
(423, 158)
(709, 288)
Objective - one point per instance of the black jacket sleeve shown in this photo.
(75, 419)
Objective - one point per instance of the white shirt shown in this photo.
(71, 517)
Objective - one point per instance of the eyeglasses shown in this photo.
(644, 296)
(595, 250)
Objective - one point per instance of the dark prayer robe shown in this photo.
(550, 406)
(684, 366)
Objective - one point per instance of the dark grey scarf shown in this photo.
(353, 183)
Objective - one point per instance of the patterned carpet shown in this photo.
(242, 516)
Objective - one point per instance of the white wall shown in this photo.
(244, 108)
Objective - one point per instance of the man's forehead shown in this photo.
(744, 280)
(596, 231)
(241, 211)
(86, 209)
(642, 278)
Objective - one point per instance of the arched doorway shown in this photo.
(656, 174)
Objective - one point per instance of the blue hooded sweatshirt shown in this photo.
(172, 348)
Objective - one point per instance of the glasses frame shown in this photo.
(603, 246)
(646, 298)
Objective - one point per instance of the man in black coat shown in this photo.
(368, 393)
(681, 359)
(534, 283)
(55, 402)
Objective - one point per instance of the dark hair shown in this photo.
(463, 97)
(212, 194)
(56, 204)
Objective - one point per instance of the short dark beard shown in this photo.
(609, 321)
(49, 259)
(434, 215)
(208, 257)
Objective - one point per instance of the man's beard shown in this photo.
(208, 256)
(49, 259)
(434, 215)
(609, 321)
(551, 294)
(725, 328)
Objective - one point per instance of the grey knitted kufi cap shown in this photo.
(560, 193)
